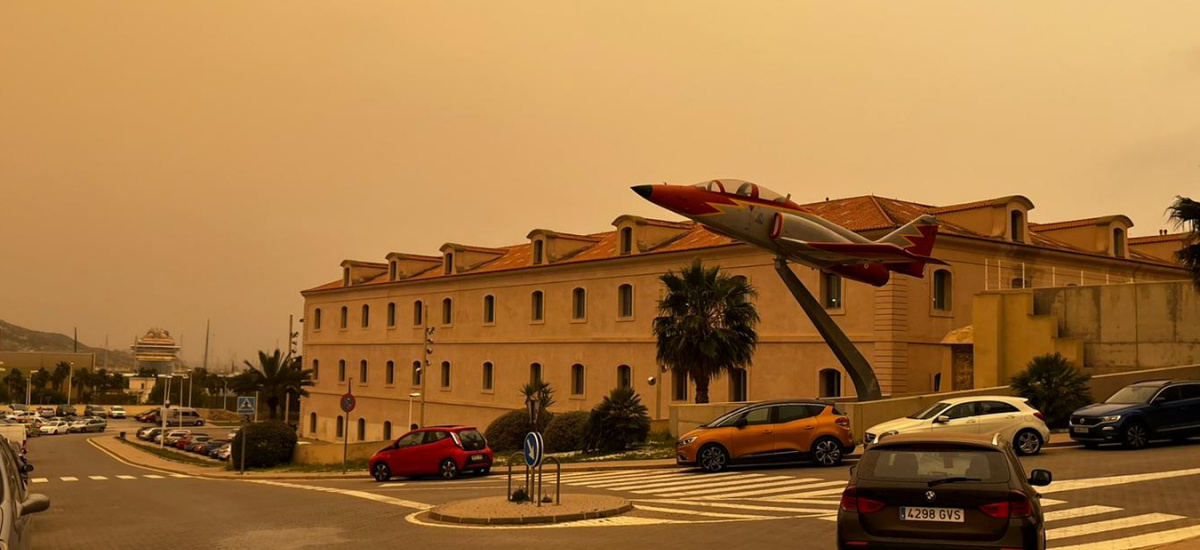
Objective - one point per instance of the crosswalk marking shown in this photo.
(98, 478)
(68, 478)
(1110, 525)
(1051, 502)
(841, 486)
(699, 513)
(126, 477)
(680, 479)
(734, 506)
(1139, 541)
(643, 482)
(612, 475)
(39, 480)
(180, 475)
(690, 484)
(760, 484)
(806, 484)
(1072, 513)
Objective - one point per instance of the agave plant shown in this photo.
(618, 421)
(1053, 385)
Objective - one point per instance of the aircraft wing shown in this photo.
(863, 252)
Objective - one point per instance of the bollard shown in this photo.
(122, 436)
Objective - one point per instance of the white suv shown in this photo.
(1012, 417)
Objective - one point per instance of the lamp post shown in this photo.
(162, 437)
(410, 398)
(70, 376)
(427, 348)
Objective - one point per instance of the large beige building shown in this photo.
(576, 311)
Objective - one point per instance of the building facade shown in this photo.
(576, 311)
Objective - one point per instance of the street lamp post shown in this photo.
(427, 348)
(410, 398)
(70, 376)
(162, 437)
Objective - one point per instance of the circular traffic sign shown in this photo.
(533, 449)
(348, 402)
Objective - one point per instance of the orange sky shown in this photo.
(166, 162)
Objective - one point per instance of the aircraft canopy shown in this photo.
(742, 189)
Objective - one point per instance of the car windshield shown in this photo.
(930, 412)
(1133, 394)
(727, 419)
(926, 463)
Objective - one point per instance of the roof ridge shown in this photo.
(886, 216)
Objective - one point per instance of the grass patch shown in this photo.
(358, 465)
(653, 450)
(172, 455)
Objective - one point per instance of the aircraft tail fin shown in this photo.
(916, 238)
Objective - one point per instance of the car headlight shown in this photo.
(686, 441)
(1110, 418)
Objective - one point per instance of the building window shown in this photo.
(577, 379)
(445, 374)
(624, 377)
(1118, 242)
(489, 374)
(538, 251)
(391, 314)
(579, 304)
(341, 370)
(362, 429)
(1018, 282)
(831, 383)
(831, 291)
(943, 286)
(387, 430)
(316, 370)
(418, 313)
(937, 382)
(312, 423)
(679, 387)
(1016, 226)
(345, 276)
(447, 311)
(390, 374)
(489, 309)
(626, 241)
(317, 319)
(345, 314)
(362, 371)
(737, 385)
(391, 271)
(625, 301)
(537, 306)
(416, 373)
(366, 316)
(341, 427)
(535, 373)
(448, 263)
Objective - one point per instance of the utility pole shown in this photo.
(207, 324)
(76, 348)
(427, 350)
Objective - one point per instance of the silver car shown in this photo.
(15, 528)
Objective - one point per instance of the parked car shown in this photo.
(94, 410)
(15, 512)
(190, 439)
(45, 412)
(223, 452)
(174, 436)
(443, 451)
(939, 490)
(209, 446)
(77, 425)
(152, 417)
(29, 416)
(150, 434)
(179, 416)
(1139, 413)
(116, 411)
(1021, 424)
(65, 410)
(96, 424)
(55, 427)
(771, 431)
(18, 407)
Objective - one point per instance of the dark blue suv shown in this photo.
(1154, 409)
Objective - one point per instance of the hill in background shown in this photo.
(18, 338)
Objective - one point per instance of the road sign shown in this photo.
(348, 402)
(533, 449)
(247, 404)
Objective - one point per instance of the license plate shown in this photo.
(1079, 429)
(918, 513)
(476, 458)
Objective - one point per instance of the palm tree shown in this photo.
(705, 324)
(275, 376)
(40, 378)
(1185, 213)
(60, 374)
(1054, 386)
(15, 381)
(618, 421)
(541, 392)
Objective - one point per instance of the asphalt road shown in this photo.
(1094, 504)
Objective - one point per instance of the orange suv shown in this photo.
(771, 431)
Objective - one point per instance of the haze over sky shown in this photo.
(163, 163)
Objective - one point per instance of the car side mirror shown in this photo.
(26, 468)
(741, 423)
(941, 419)
(1040, 478)
(34, 503)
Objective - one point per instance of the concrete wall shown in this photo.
(331, 453)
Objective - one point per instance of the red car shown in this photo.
(435, 451)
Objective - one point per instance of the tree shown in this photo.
(705, 325)
(618, 421)
(40, 377)
(1053, 385)
(1185, 213)
(541, 392)
(275, 376)
(60, 374)
(15, 382)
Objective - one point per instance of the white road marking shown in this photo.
(98, 478)
(784, 489)
(758, 484)
(1091, 483)
(1140, 541)
(126, 477)
(689, 485)
(1051, 502)
(69, 478)
(152, 476)
(1072, 513)
(697, 513)
(346, 492)
(733, 506)
(615, 521)
(39, 480)
(1110, 525)
(612, 475)
(179, 475)
(828, 518)
(636, 482)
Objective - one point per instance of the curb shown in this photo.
(530, 520)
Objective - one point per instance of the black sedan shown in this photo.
(1154, 409)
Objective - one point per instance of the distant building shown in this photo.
(155, 350)
(576, 311)
(27, 362)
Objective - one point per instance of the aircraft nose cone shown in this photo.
(644, 190)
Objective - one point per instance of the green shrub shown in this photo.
(618, 421)
(1053, 385)
(507, 432)
(267, 444)
(566, 432)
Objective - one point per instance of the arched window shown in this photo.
(737, 385)
(447, 311)
(418, 313)
(362, 429)
(391, 314)
(317, 319)
(831, 383)
(341, 370)
(535, 373)
(578, 375)
(625, 301)
(943, 287)
(624, 376)
(1016, 226)
(341, 427)
(679, 387)
(489, 309)
(537, 306)
(416, 373)
(578, 304)
(366, 316)
(362, 371)
(448, 263)
(387, 430)
(831, 291)
(390, 373)
(445, 374)
(345, 314)
(489, 376)
(538, 252)
(1118, 242)
(312, 423)
(626, 241)
(1018, 282)
(316, 370)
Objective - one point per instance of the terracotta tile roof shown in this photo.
(1071, 224)
(1149, 239)
(974, 205)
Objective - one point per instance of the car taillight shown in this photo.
(1039, 415)
(842, 421)
(851, 502)
(1018, 505)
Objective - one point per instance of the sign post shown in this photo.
(347, 402)
(533, 449)
(246, 406)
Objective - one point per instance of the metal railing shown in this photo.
(533, 477)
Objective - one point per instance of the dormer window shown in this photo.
(1118, 242)
(391, 271)
(1016, 226)
(626, 241)
(539, 252)
(448, 263)
(345, 276)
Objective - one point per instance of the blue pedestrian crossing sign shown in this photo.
(533, 449)
(247, 405)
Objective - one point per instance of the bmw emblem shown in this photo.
(930, 496)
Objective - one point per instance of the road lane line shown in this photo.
(733, 506)
(179, 475)
(68, 478)
(1140, 541)
(126, 477)
(39, 480)
(1110, 525)
(347, 492)
(697, 513)
(98, 478)
(756, 484)
(1072, 513)
(796, 487)
(1093, 482)
(152, 476)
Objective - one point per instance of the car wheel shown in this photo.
(1028, 442)
(381, 472)
(713, 458)
(448, 469)
(827, 451)
(1135, 435)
